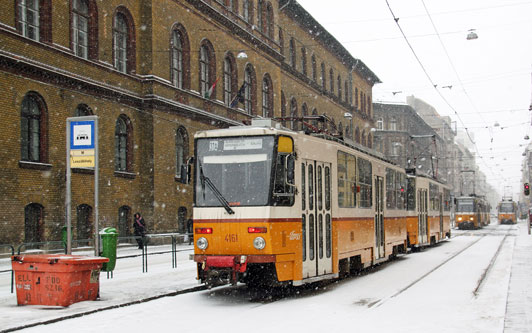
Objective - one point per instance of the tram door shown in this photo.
(316, 218)
(379, 217)
(422, 216)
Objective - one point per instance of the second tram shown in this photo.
(507, 212)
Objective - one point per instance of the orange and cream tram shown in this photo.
(471, 212)
(273, 206)
(428, 210)
(507, 212)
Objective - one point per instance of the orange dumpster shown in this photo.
(55, 279)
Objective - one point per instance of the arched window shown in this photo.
(124, 41)
(124, 221)
(269, 24)
(283, 109)
(249, 90)
(181, 147)
(340, 129)
(293, 114)
(370, 140)
(304, 113)
(331, 80)
(84, 26)
(207, 70)
(346, 89)
(82, 110)
(176, 47)
(260, 15)
(314, 73)
(314, 121)
(304, 61)
(368, 105)
(230, 78)
(357, 135)
(292, 53)
(85, 223)
(247, 11)
(181, 219)
(281, 41)
(33, 223)
(123, 144)
(33, 139)
(267, 97)
(34, 19)
(363, 138)
(323, 77)
(339, 83)
(356, 98)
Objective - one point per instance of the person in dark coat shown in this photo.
(190, 231)
(140, 229)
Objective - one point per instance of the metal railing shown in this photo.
(12, 254)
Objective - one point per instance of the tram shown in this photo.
(472, 212)
(428, 209)
(273, 206)
(507, 212)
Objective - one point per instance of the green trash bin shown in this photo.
(64, 236)
(108, 238)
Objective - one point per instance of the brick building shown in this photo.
(154, 72)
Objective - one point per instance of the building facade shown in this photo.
(154, 72)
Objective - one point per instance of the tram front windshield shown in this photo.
(465, 206)
(238, 167)
(507, 208)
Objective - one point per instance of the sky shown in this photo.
(490, 76)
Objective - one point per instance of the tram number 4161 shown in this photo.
(231, 238)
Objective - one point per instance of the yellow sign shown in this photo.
(82, 158)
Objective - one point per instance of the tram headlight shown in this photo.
(460, 219)
(471, 219)
(259, 243)
(202, 243)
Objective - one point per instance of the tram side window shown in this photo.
(446, 200)
(346, 180)
(283, 189)
(411, 194)
(400, 190)
(434, 201)
(365, 174)
(390, 189)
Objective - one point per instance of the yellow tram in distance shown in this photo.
(507, 211)
(471, 212)
(429, 211)
(273, 206)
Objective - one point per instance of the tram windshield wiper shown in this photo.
(205, 180)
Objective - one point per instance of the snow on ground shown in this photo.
(400, 296)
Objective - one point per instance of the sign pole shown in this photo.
(96, 190)
(68, 190)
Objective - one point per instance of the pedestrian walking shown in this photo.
(140, 229)
(190, 231)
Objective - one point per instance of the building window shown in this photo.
(181, 145)
(357, 135)
(339, 83)
(281, 41)
(80, 28)
(356, 98)
(260, 15)
(323, 76)
(304, 113)
(207, 70)
(393, 124)
(29, 18)
(84, 224)
(230, 79)
(315, 121)
(370, 140)
(124, 221)
(33, 223)
(124, 41)
(269, 20)
(363, 138)
(177, 59)
(304, 61)
(292, 53)
(249, 90)
(380, 123)
(314, 74)
(346, 89)
(267, 97)
(247, 11)
(33, 129)
(293, 114)
(350, 89)
(283, 109)
(331, 81)
(123, 144)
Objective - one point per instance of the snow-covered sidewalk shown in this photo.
(128, 285)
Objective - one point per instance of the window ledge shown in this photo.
(125, 174)
(34, 165)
